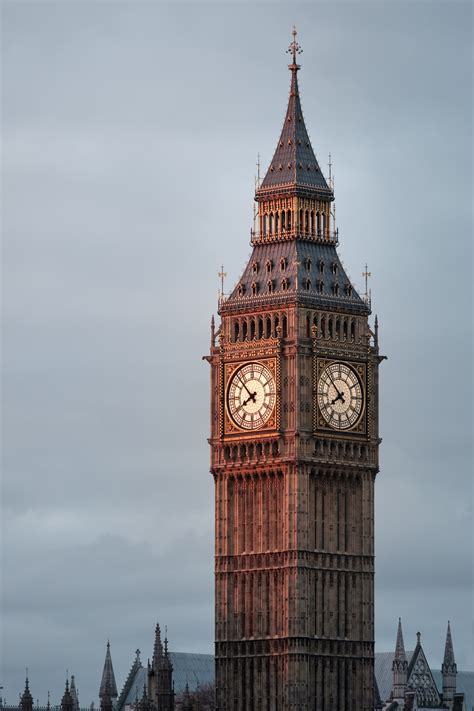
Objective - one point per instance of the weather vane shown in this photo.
(294, 47)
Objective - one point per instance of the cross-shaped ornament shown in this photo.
(222, 275)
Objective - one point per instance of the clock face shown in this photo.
(340, 396)
(251, 396)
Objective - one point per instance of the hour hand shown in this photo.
(339, 396)
(252, 396)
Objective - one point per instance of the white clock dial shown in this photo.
(340, 397)
(251, 396)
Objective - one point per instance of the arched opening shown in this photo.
(268, 327)
(323, 326)
(277, 222)
(318, 223)
(301, 221)
(244, 330)
(353, 329)
(276, 323)
(236, 331)
(338, 328)
(308, 325)
(283, 223)
(288, 220)
(265, 224)
(306, 221)
(271, 223)
(285, 326)
(330, 331)
(344, 329)
(260, 327)
(252, 329)
(311, 222)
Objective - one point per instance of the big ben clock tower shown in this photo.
(294, 455)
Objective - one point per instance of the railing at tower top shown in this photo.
(295, 233)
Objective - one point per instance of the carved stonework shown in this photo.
(294, 489)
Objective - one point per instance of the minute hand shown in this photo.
(252, 395)
(332, 380)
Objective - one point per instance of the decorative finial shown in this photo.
(294, 49)
(366, 276)
(418, 636)
(222, 275)
(137, 652)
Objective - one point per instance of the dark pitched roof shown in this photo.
(303, 262)
(196, 670)
(131, 683)
(294, 164)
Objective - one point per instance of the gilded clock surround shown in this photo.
(360, 368)
(271, 424)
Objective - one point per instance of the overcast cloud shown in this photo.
(130, 133)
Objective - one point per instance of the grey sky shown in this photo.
(130, 133)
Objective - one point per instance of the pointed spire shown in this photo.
(67, 703)
(448, 649)
(294, 164)
(108, 677)
(158, 647)
(399, 668)
(449, 670)
(400, 655)
(187, 704)
(26, 699)
(74, 693)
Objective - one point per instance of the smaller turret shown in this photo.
(399, 668)
(187, 704)
(74, 693)
(26, 699)
(67, 703)
(449, 671)
(165, 689)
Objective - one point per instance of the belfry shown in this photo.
(294, 454)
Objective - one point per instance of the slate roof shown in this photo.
(292, 252)
(196, 670)
(294, 163)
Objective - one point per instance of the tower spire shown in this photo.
(294, 165)
(399, 667)
(449, 670)
(108, 685)
(26, 699)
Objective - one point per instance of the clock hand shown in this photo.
(335, 386)
(340, 397)
(252, 397)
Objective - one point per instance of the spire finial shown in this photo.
(418, 637)
(294, 49)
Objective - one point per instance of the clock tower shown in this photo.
(294, 454)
